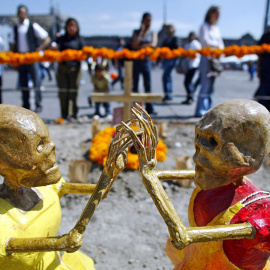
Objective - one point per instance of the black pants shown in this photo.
(68, 80)
(24, 72)
(189, 85)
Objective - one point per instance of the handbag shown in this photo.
(216, 65)
(182, 67)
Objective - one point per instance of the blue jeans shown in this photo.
(143, 67)
(106, 106)
(24, 71)
(205, 99)
(168, 66)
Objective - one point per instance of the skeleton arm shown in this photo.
(181, 235)
(70, 242)
(76, 188)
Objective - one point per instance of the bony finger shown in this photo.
(139, 107)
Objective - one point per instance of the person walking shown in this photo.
(209, 37)
(262, 95)
(193, 65)
(141, 38)
(119, 65)
(168, 64)
(26, 38)
(69, 72)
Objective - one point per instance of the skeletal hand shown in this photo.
(117, 154)
(146, 145)
(116, 159)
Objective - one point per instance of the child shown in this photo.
(101, 85)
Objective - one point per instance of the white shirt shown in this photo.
(23, 46)
(210, 36)
(194, 45)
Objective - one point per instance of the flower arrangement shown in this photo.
(164, 52)
(98, 151)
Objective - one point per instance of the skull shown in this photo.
(27, 154)
(231, 140)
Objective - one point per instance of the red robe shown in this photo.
(229, 204)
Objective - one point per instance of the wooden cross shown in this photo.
(128, 97)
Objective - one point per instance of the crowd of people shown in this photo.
(200, 72)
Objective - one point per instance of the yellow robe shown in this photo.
(42, 221)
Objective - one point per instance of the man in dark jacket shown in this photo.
(26, 37)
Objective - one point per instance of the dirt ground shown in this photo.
(126, 231)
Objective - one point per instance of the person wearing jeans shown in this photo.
(193, 65)
(143, 67)
(142, 38)
(209, 37)
(168, 64)
(205, 100)
(26, 37)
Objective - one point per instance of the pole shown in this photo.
(266, 16)
(164, 12)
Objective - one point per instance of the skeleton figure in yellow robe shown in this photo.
(30, 211)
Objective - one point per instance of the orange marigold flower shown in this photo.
(98, 151)
(132, 161)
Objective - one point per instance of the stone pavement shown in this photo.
(230, 85)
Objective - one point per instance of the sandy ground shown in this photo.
(126, 231)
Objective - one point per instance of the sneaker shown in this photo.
(187, 101)
(38, 109)
(109, 118)
(166, 98)
(73, 120)
(83, 119)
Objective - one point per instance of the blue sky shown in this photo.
(119, 17)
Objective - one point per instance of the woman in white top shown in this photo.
(193, 65)
(209, 37)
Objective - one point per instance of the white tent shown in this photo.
(235, 59)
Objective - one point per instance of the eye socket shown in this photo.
(40, 146)
(207, 141)
(213, 141)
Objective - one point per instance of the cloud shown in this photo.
(104, 17)
(111, 24)
(133, 15)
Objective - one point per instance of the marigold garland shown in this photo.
(98, 151)
(164, 52)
